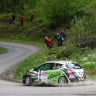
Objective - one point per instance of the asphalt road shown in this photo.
(18, 52)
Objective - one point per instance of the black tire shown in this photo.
(28, 81)
(63, 80)
(85, 77)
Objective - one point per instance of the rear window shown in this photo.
(73, 66)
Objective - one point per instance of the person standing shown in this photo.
(32, 16)
(10, 21)
(22, 20)
(62, 33)
(49, 42)
(59, 39)
(13, 19)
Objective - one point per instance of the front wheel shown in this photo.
(28, 81)
(85, 77)
(62, 80)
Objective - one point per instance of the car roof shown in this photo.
(61, 62)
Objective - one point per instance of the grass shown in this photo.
(87, 60)
(2, 50)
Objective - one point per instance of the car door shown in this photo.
(53, 72)
(49, 72)
(42, 71)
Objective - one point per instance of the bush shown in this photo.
(84, 30)
(89, 67)
(87, 41)
(56, 12)
(68, 51)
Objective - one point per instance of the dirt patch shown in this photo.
(9, 74)
(92, 72)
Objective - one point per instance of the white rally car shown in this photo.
(56, 72)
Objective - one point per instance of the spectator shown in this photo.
(10, 21)
(59, 39)
(13, 19)
(62, 33)
(49, 42)
(22, 20)
(32, 16)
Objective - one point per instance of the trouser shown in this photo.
(60, 43)
(31, 19)
(49, 46)
(22, 22)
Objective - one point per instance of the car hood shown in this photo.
(78, 70)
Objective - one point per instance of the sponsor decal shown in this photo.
(54, 75)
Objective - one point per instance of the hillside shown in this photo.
(77, 19)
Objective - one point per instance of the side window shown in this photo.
(44, 67)
(39, 68)
(48, 66)
(57, 66)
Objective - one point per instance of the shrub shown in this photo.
(87, 41)
(69, 50)
(56, 12)
(89, 67)
(84, 30)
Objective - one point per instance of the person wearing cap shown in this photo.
(49, 42)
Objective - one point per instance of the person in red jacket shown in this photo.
(49, 42)
(22, 20)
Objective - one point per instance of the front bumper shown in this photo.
(76, 78)
(32, 77)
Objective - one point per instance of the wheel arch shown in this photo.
(64, 75)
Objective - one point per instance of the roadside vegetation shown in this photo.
(2, 50)
(86, 60)
(78, 19)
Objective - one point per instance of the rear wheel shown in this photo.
(62, 80)
(28, 81)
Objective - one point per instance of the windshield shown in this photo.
(73, 66)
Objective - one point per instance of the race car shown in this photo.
(55, 72)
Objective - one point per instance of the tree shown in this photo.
(58, 11)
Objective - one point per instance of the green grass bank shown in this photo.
(3, 50)
(87, 60)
